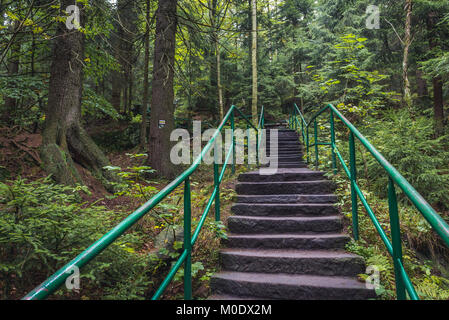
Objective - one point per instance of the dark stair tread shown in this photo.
(284, 209)
(298, 182)
(279, 218)
(287, 205)
(318, 241)
(287, 198)
(292, 261)
(287, 225)
(288, 235)
(290, 253)
(293, 280)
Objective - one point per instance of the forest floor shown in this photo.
(19, 156)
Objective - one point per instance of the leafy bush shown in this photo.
(427, 276)
(44, 225)
(408, 144)
(96, 106)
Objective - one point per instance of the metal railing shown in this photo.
(50, 285)
(394, 247)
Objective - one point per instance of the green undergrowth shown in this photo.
(407, 141)
(44, 225)
(426, 270)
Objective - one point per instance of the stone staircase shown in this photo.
(286, 239)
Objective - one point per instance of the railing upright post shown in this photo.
(295, 119)
(217, 186)
(355, 218)
(233, 140)
(307, 144)
(247, 144)
(302, 133)
(333, 146)
(290, 119)
(187, 241)
(257, 146)
(396, 239)
(316, 144)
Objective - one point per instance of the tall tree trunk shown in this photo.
(437, 82)
(144, 108)
(64, 139)
(11, 104)
(219, 86)
(407, 96)
(162, 108)
(423, 91)
(254, 60)
(214, 24)
(123, 42)
(117, 76)
(438, 105)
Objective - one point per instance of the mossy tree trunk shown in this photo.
(407, 94)
(437, 82)
(162, 107)
(65, 141)
(254, 111)
(144, 107)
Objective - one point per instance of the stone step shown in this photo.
(282, 149)
(287, 198)
(322, 263)
(284, 225)
(288, 139)
(290, 287)
(298, 153)
(301, 174)
(284, 156)
(281, 165)
(284, 210)
(281, 131)
(282, 126)
(287, 158)
(288, 241)
(289, 152)
(285, 187)
(291, 165)
(285, 143)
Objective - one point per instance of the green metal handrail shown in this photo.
(50, 285)
(394, 247)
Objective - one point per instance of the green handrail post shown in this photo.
(302, 133)
(296, 120)
(247, 144)
(315, 126)
(260, 132)
(353, 168)
(396, 239)
(187, 241)
(233, 141)
(257, 146)
(333, 145)
(217, 187)
(404, 285)
(307, 145)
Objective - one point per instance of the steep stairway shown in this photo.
(286, 239)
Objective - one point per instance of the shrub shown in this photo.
(409, 145)
(44, 225)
